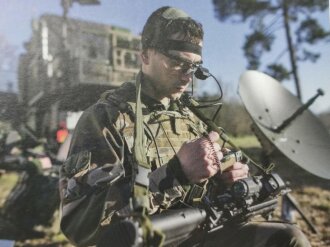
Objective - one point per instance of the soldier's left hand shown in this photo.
(237, 171)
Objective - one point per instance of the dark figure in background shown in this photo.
(182, 157)
(35, 197)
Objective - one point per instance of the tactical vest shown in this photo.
(166, 130)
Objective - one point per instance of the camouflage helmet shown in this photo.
(166, 21)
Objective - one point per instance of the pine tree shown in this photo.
(266, 19)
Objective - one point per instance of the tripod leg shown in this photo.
(289, 198)
(288, 212)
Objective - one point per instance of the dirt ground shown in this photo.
(311, 194)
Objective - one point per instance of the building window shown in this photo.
(123, 42)
(94, 46)
(131, 60)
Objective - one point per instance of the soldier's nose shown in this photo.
(186, 78)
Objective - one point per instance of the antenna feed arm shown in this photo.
(298, 112)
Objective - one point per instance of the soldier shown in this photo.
(145, 123)
(34, 198)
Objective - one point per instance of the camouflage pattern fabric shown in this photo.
(87, 208)
(102, 146)
(252, 234)
(32, 202)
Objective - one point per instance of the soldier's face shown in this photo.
(170, 75)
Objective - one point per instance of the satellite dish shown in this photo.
(286, 122)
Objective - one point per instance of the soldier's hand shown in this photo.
(237, 171)
(200, 158)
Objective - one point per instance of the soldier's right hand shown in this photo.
(200, 158)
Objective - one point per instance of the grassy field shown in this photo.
(7, 181)
(311, 193)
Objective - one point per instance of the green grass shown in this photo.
(7, 182)
(246, 141)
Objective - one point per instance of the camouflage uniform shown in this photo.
(86, 208)
(102, 141)
(32, 201)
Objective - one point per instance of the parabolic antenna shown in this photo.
(286, 122)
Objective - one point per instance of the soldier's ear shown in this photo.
(145, 56)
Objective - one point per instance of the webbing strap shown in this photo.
(141, 180)
(139, 140)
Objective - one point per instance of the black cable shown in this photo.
(202, 74)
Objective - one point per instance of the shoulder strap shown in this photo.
(127, 97)
(141, 181)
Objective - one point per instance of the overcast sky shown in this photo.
(222, 53)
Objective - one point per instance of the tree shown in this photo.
(266, 18)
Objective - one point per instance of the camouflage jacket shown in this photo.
(102, 141)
